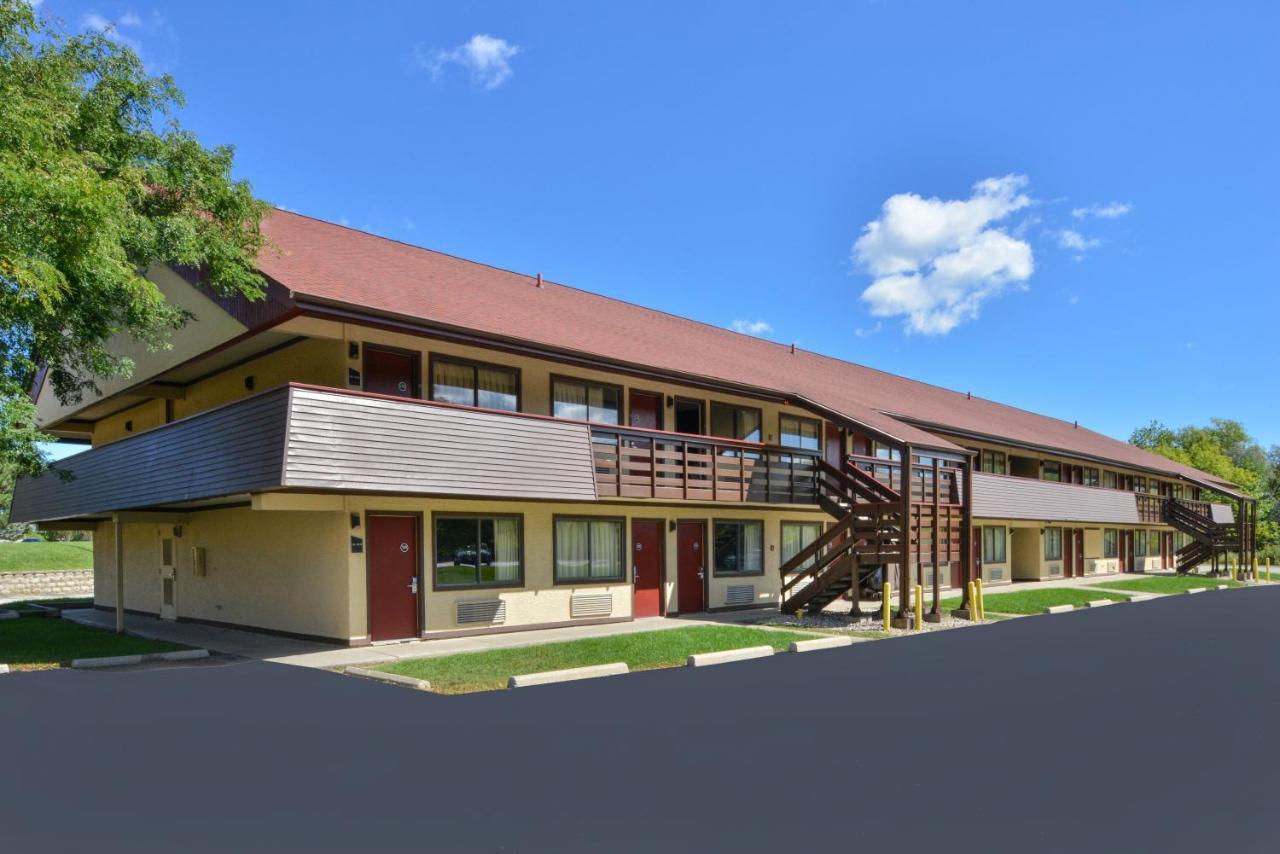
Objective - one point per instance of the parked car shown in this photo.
(467, 556)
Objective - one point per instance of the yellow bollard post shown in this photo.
(1256, 576)
(886, 597)
(973, 603)
(1231, 560)
(919, 607)
(982, 599)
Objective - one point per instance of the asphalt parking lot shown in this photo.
(1141, 727)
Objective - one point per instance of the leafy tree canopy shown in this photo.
(98, 182)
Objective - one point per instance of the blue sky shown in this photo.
(1068, 207)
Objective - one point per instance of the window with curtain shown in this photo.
(1053, 544)
(1051, 470)
(1140, 543)
(586, 401)
(1090, 477)
(735, 422)
(478, 551)
(796, 536)
(588, 549)
(470, 384)
(1110, 542)
(739, 548)
(993, 462)
(994, 544)
(1139, 484)
(796, 432)
(1109, 480)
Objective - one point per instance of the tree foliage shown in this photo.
(98, 182)
(1224, 448)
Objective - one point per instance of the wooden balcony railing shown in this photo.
(1150, 507)
(632, 463)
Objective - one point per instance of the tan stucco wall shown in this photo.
(282, 571)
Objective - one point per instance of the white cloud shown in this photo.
(129, 28)
(1071, 239)
(488, 59)
(1112, 210)
(935, 261)
(867, 332)
(752, 327)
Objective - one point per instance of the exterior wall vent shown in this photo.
(997, 574)
(1055, 569)
(740, 594)
(489, 611)
(591, 605)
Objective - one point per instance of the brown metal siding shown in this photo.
(1222, 514)
(1000, 497)
(226, 451)
(355, 443)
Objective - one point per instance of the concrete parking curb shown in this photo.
(1059, 609)
(1098, 603)
(820, 643)
(1195, 590)
(548, 677)
(393, 678)
(1142, 597)
(705, 659)
(129, 660)
(1224, 586)
(4, 668)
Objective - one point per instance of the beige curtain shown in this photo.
(496, 388)
(572, 549)
(506, 550)
(606, 549)
(452, 383)
(752, 547)
(570, 400)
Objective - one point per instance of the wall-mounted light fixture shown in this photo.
(355, 520)
(128, 426)
(177, 531)
(353, 350)
(248, 382)
(671, 401)
(671, 525)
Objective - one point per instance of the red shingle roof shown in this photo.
(338, 264)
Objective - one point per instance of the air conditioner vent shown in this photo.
(490, 611)
(740, 594)
(591, 605)
(997, 574)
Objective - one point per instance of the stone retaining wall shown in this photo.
(53, 584)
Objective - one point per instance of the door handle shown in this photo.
(413, 586)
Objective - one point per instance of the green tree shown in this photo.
(1225, 448)
(98, 182)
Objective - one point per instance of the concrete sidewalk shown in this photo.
(265, 647)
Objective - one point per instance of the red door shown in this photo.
(646, 567)
(691, 547)
(390, 372)
(1068, 552)
(393, 577)
(833, 449)
(1079, 552)
(646, 410)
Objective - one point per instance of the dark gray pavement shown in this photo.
(1145, 727)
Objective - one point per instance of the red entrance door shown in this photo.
(1079, 538)
(833, 448)
(390, 372)
(646, 567)
(393, 577)
(1068, 552)
(646, 409)
(691, 548)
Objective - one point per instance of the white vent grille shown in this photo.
(591, 605)
(489, 611)
(1055, 569)
(996, 574)
(740, 594)
(1094, 566)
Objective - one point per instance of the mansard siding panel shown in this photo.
(1222, 514)
(370, 444)
(1001, 497)
(231, 450)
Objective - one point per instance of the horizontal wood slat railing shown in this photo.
(650, 464)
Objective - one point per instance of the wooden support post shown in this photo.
(966, 541)
(902, 619)
(119, 547)
(934, 616)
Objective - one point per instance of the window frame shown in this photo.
(988, 454)
(1044, 470)
(782, 526)
(475, 365)
(1140, 543)
(737, 409)
(624, 543)
(1004, 544)
(1115, 480)
(1112, 549)
(676, 400)
(496, 585)
(1047, 532)
(715, 573)
(782, 416)
(1091, 476)
(565, 378)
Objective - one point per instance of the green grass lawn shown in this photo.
(486, 671)
(39, 643)
(1166, 583)
(74, 602)
(28, 557)
(1035, 601)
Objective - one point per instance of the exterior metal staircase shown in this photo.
(867, 534)
(1209, 539)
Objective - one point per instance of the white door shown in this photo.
(168, 580)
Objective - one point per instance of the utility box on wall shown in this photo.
(199, 566)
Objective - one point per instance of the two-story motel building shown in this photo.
(397, 443)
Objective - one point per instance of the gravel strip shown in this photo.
(842, 623)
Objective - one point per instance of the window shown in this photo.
(1050, 470)
(796, 432)
(993, 462)
(735, 422)
(1139, 484)
(586, 401)
(796, 536)
(471, 384)
(884, 452)
(1140, 543)
(478, 551)
(589, 549)
(688, 415)
(739, 548)
(1110, 542)
(1090, 477)
(993, 544)
(1109, 480)
(1053, 544)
